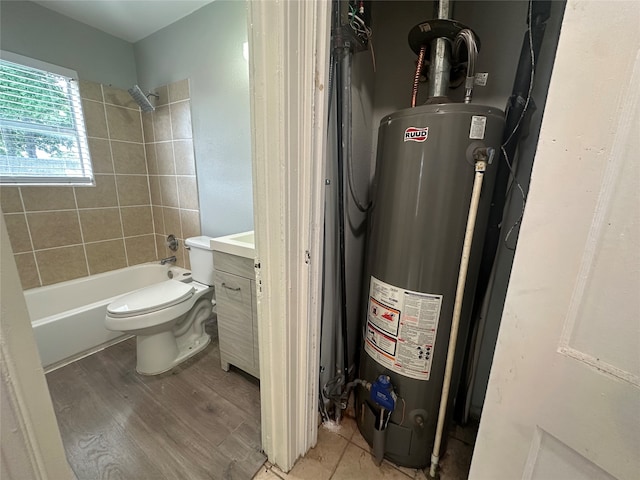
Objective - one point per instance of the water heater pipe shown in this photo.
(440, 67)
(481, 165)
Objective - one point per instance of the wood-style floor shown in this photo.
(194, 422)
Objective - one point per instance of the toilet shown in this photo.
(168, 318)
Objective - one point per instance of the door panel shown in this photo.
(563, 400)
(554, 459)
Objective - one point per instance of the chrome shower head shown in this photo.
(142, 99)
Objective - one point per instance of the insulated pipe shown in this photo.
(440, 67)
(480, 168)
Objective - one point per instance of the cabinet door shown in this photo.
(235, 319)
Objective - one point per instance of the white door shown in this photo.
(563, 400)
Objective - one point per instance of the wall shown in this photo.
(145, 189)
(145, 186)
(171, 165)
(499, 24)
(395, 61)
(207, 47)
(61, 233)
(362, 86)
(355, 221)
(28, 29)
(513, 208)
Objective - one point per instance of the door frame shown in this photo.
(31, 443)
(288, 67)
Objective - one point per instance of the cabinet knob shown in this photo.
(235, 289)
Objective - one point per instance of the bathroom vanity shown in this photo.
(235, 291)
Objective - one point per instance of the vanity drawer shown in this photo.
(235, 318)
(232, 263)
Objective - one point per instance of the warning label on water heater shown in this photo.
(401, 329)
(478, 126)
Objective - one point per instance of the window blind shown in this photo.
(42, 132)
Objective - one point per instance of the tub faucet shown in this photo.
(171, 259)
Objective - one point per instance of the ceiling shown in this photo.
(130, 20)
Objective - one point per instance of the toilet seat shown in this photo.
(150, 299)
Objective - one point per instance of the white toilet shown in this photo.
(168, 317)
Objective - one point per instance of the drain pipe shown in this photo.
(384, 396)
(380, 436)
(481, 156)
(440, 58)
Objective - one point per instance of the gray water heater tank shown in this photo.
(421, 197)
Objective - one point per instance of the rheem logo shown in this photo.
(416, 134)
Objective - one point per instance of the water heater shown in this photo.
(421, 199)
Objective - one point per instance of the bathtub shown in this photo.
(68, 317)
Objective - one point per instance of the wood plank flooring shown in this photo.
(195, 422)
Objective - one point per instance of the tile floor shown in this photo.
(342, 453)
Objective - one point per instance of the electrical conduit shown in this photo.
(343, 110)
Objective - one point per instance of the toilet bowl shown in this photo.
(168, 318)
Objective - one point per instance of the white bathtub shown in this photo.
(68, 317)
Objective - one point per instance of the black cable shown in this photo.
(515, 129)
(537, 15)
(516, 122)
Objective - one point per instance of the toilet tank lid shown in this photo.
(202, 241)
(150, 299)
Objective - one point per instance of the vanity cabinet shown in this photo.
(235, 286)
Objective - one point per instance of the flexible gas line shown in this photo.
(481, 165)
(467, 37)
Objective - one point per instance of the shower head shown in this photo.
(142, 99)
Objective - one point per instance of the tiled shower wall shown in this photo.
(62, 233)
(172, 171)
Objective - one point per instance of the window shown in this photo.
(42, 134)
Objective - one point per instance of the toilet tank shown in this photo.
(201, 258)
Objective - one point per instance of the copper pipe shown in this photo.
(416, 79)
